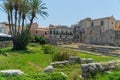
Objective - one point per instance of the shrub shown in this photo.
(64, 54)
(112, 76)
(49, 49)
(34, 45)
(76, 75)
(21, 41)
(39, 39)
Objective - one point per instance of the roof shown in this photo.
(110, 17)
(41, 29)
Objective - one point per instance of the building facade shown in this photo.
(92, 31)
(98, 31)
(38, 31)
(60, 34)
(4, 28)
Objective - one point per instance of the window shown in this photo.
(60, 36)
(61, 32)
(119, 26)
(54, 32)
(36, 31)
(102, 23)
(76, 29)
(112, 22)
(66, 32)
(78, 36)
(50, 32)
(2, 30)
(92, 24)
(45, 33)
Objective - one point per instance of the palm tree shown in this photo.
(17, 11)
(37, 7)
(6, 9)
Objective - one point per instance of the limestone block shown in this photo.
(87, 60)
(91, 69)
(48, 69)
(74, 59)
(59, 63)
(12, 72)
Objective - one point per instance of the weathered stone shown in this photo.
(90, 60)
(87, 60)
(74, 59)
(107, 50)
(48, 69)
(84, 67)
(106, 67)
(85, 75)
(108, 72)
(59, 63)
(63, 74)
(116, 63)
(81, 78)
(99, 67)
(11, 72)
(90, 69)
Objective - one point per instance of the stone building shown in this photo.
(59, 34)
(117, 25)
(38, 31)
(4, 28)
(98, 31)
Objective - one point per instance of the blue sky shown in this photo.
(68, 12)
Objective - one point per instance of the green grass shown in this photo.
(114, 75)
(33, 60)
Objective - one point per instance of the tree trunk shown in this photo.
(12, 23)
(23, 19)
(31, 22)
(9, 24)
(19, 20)
(15, 22)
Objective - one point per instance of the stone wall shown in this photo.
(106, 50)
(5, 44)
(95, 35)
(98, 31)
(91, 69)
(117, 38)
